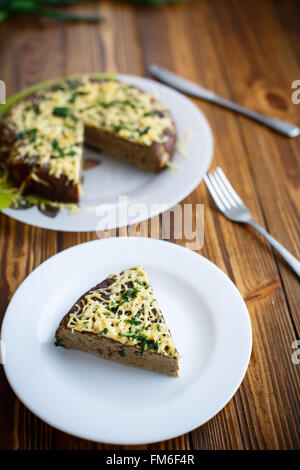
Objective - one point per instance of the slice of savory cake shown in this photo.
(45, 131)
(120, 319)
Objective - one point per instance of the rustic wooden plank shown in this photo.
(288, 15)
(244, 256)
(273, 160)
(227, 151)
(263, 414)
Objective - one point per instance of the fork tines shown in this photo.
(221, 190)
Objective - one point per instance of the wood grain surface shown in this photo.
(247, 51)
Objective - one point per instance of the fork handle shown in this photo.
(286, 255)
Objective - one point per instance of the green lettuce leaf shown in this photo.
(8, 194)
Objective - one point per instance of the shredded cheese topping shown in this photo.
(126, 311)
(49, 127)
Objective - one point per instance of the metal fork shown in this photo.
(231, 205)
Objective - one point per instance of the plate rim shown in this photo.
(167, 435)
(190, 188)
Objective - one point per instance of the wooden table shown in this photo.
(246, 51)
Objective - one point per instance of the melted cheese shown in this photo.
(127, 312)
(49, 129)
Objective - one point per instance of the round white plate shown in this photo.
(104, 184)
(97, 399)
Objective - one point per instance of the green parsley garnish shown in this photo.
(144, 341)
(144, 131)
(30, 133)
(130, 293)
(75, 94)
(86, 108)
(62, 112)
(119, 128)
(55, 145)
(58, 342)
(127, 295)
(73, 84)
(142, 284)
(61, 153)
(116, 102)
(36, 109)
(133, 320)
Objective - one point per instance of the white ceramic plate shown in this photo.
(105, 183)
(97, 399)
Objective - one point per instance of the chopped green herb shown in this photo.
(115, 102)
(58, 342)
(144, 131)
(104, 332)
(143, 347)
(62, 112)
(86, 108)
(130, 293)
(107, 105)
(146, 286)
(12, 8)
(30, 133)
(119, 128)
(133, 320)
(122, 353)
(60, 88)
(133, 335)
(73, 84)
(61, 151)
(75, 94)
(36, 109)
(127, 103)
(143, 339)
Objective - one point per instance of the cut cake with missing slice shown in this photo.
(119, 319)
(42, 135)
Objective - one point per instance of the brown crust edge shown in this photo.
(152, 158)
(48, 186)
